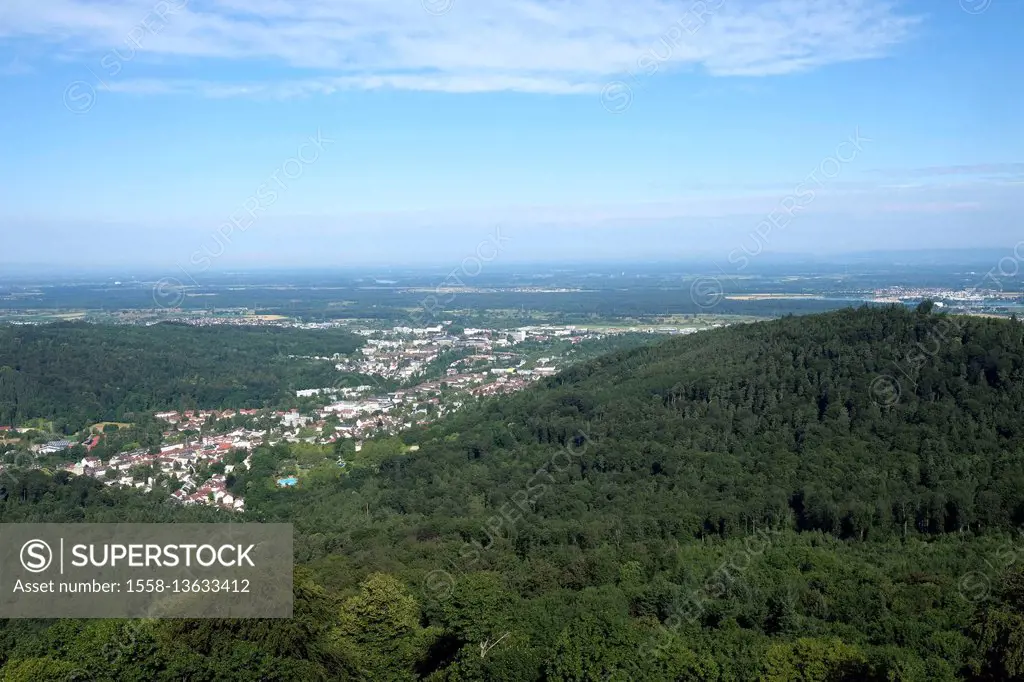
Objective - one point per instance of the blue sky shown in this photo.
(285, 132)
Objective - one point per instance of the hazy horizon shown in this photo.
(696, 264)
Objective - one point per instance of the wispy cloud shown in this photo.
(1011, 169)
(299, 88)
(932, 207)
(563, 46)
(15, 67)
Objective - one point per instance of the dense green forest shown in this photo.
(77, 374)
(831, 497)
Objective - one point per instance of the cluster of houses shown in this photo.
(213, 491)
(179, 461)
(194, 420)
(402, 352)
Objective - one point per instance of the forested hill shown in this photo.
(77, 373)
(762, 502)
(851, 422)
(795, 424)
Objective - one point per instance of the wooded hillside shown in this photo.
(77, 373)
(752, 503)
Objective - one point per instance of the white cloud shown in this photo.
(16, 67)
(1013, 170)
(558, 46)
